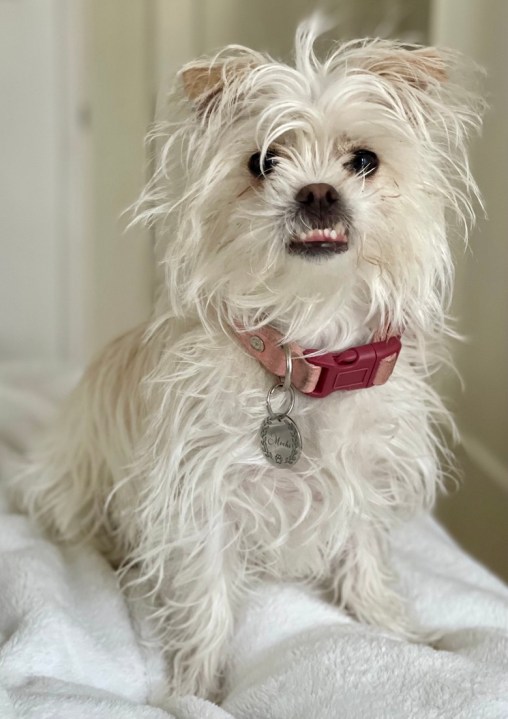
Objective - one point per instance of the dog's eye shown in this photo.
(260, 168)
(364, 162)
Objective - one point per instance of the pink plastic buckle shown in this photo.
(355, 368)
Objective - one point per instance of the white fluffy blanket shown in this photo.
(69, 649)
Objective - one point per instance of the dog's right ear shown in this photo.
(203, 83)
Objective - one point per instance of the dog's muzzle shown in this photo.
(324, 220)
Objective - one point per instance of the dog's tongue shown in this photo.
(320, 236)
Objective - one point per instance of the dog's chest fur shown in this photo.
(365, 455)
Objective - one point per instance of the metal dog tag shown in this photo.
(281, 442)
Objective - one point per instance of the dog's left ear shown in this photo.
(418, 67)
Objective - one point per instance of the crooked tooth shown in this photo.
(303, 235)
(333, 235)
(327, 233)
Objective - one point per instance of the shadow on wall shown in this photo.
(476, 516)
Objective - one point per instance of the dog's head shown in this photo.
(314, 196)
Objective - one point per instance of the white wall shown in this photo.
(76, 86)
(31, 300)
(119, 71)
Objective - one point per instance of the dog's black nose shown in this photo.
(318, 198)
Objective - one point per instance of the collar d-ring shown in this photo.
(289, 368)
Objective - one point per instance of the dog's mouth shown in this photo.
(319, 242)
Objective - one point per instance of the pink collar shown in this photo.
(320, 375)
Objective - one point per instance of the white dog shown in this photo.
(302, 211)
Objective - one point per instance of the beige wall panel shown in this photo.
(479, 516)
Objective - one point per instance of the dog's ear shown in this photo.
(203, 83)
(418, 67)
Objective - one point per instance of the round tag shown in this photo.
(281, 442)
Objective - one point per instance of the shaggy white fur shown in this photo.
(156, 454)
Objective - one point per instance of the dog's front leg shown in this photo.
(198, 621)
(365, 585)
